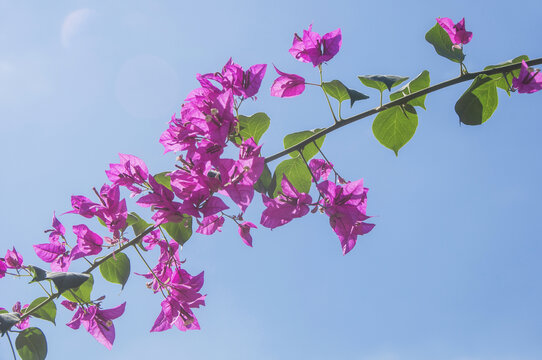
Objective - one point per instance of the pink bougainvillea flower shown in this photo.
(13, 259)
(244, 232)
(315, 49)
(176, 308)
(528, 81)
(88, 242)
(346, 207)
(21, 325)
(287, 85)
(238, 179)
(210, 224)
(181, 135)
(161, 201)
(113, 211)
(70, 305)
(57, 231)
(3, 268)
(457, 33)
(174, 313)
(55, 253)
(131, 171)
(243, 83)
(320, 168)
(82, 206)
(288, 205)
(98, 322)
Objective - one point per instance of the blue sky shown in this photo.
(451, 270)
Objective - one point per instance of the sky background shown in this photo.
(451, 270)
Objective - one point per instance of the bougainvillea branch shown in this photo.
(204, 178)
(404, 100)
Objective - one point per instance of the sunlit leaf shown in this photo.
(253, 126)
(419, 83)
(180, 231)
(309, 150)
(336, 90)
(137, 223)
(297, 173)
(163, 179)
(394, 127)
(46, 312)
(116, 269)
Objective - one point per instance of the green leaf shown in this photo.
(181, 231)
(46, 312)
(254, 126)
(309, 150)
(502, 81)
(419, 83)
(336, 89)
(67, 280)
(381, 82)
(339, 91)
(82, 292)
(394, 127)
(297, 173)
(163, 179)
(137, 223)
(355, 96)
(479, 102)
(116, 269)
(7, 320)
(31, 344)
(262, 185)
(440, 40)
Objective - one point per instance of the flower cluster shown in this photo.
(207, 124)
(345, 204)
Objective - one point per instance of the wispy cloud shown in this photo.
(73, 23)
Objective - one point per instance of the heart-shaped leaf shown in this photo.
(253, 126)
(116, 269)
(180, 231)
(31, 344)
(46, 312)
(394, 127)
(309, 150)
